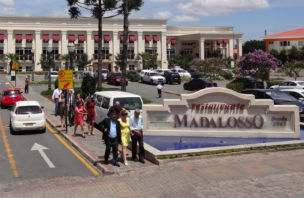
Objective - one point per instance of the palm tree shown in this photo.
(12, 58)
(83, 61)
(66, 59)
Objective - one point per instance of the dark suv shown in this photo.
(249, 82)
(172, 77)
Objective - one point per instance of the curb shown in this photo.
(171, 92)
(93, 160)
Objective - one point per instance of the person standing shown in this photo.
(116, 109)
(125, 134)
(71, 107)
(61, 109)
(79, 99)
(55, 98)
(159, 88)
(27, 82)
(112, 137)
(78, 119)
(136, 127)
(90, 107)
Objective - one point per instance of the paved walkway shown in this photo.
(92, 147)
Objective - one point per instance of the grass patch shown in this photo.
(45, 82)
(104, 89)
(146, 101)
(47, 92)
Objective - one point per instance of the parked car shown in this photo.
(10, 96)
(182, 73)
(27, 116)
(289, 85)
(296, 93)
(172, 77)
(133, 73)
(105, 99)
(249, 82)
(115, 78)
(87, 73)
(229, 71)
(162, 71)
(199, 83)
(104, 73)
(278, 97)
(152, 77)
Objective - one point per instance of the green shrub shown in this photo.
(238, 87)
(146, 101)
(186, 79)
(273, 82)
(197, 75)
(47, 92)
(134, 78)
(227, 76)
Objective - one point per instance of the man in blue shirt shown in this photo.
(136, 127)
(112, 137)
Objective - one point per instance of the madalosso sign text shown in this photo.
(217, 112)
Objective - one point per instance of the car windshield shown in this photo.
(301, 83)
(130, 103)
(29, 110)
(154, 74)
(9, 93)
(117, 74)
(105, 71)
(277, 95)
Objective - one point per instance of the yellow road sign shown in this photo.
(65, 79)
(15, 65)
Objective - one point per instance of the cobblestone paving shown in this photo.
(273, 174)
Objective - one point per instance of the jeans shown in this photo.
(140, 139)
(56, 106)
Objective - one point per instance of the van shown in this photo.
(105, 99)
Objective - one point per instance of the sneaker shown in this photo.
(116, 164)
(106, 162)
(135, 159)
(142, 161)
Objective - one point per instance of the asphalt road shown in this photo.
(17, 161)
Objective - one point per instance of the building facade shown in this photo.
(285, 40)
(34, 37)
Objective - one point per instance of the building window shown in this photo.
(28, 68)
(1, 69)
(1, 41)
(285, 43)
(28, 53)
(46, 41)
(270, 42)
(301, 43)
(131, 67)
(54, 54)
(19, 69)
(170, 52)
(186, 51)
(131, 54)
(79, 51)
(19, 52)
(18, 41)
(105, 53)
(151, 50)
(55, 41)
(1, 51)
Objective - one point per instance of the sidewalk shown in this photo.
(91, 147)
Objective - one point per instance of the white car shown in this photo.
(162, 71)
(54, 74)
(296, 93)
(27, 116)
(105, 99)
(182, 73)
(289, 85)
(105, 73)
(153, 77)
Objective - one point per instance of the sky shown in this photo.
(249, 17)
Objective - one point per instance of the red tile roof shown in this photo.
(297, 32)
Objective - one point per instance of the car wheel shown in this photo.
(43, 130)
(185, 87)
(179, 82)
(151, 82)
(11, 128)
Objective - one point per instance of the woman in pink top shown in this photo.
(78, 119)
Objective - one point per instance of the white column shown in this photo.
(10, 45)
(140, 47)
(230, 48)
(38, 50)
(90, 45)
(164, 61)
(116, 46)
(240, 47)
(202, 48)
(64, 43)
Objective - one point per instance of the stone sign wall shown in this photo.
(220, 112)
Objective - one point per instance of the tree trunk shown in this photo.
(125, 45)
(99, 56)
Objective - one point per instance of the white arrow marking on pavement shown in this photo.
(40, 148)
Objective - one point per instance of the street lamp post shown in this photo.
(49, 50)
(71, 49)
(33, 61)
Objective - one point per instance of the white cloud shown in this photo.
(7, 2)
(185, 18)
(219, 7)
(163, 15)
(160, 1)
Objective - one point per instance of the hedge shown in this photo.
(238, 87)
